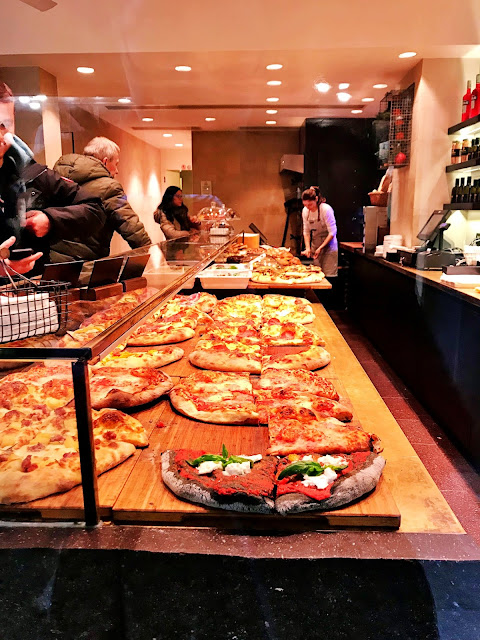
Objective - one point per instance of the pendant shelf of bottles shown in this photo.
(465, 158)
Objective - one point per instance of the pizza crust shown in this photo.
(222, 361)
(193, 491)
(175, 334)
(345, 490)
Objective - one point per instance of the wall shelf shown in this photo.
(474, 162)
(464, 125)
(462, 206)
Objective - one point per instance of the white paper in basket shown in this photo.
(25, 316)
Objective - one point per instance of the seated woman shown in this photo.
(172, 215)
(319, 231)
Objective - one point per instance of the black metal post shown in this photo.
(86, 447)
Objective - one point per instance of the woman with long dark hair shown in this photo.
(319, 231)
(172, 215)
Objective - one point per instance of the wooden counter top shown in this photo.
(428, 277)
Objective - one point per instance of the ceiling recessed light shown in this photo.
(408, 54)
(85, 70)
(343, 97)
(356, 111)
(271, 112)
(322, 87)
(274, 67)
(124, 100)
(24, 99)
(381, 85)
(35, 105)
(273, 99)
(179, 144)
(167, 135)
(147, 119)
(210, 119)
(274, 83)
(183, 67)
(343, 85)
(368, 99)
(270, 122)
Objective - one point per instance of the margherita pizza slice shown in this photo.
(117, 388)
(156, 332)
(154, 358)
(325, 435)
(237, 483)
(319, 483)
(300, 381)
(287, 309)
(225, 355)
(215, 396)
(275, 332)
(285, 402)
(312, 358)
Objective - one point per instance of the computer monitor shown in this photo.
(430, 228)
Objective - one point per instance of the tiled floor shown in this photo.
(454, 476)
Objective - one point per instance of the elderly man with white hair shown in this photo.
(95, 171)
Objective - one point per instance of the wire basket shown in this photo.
(399, 106)
(32, 307)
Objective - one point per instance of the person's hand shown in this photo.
(193, 219)
(21, 266)
(38, 222)
(317, 253)
(307, 253)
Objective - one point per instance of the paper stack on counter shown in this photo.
(24, 316)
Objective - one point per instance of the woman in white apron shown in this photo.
(319, 231)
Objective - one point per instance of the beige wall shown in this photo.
(424, 186)
(243, 167)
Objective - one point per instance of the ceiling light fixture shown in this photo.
(85, 70)
(35, 105)
(271, 112)
(124, 100)
(210, 119)
(356, 111)
(408, 54)
(147, 119)
(270, 122)
(381, 85)
(368, 99)
(273, 99)
(274, 83)
(183, 67)
(343, 97)
(24, 99)
(274, 67)
(343, 85)
(179, 144)
(322, 87)
(167, 135)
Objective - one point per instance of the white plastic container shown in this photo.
(390, 243)
(226, 278)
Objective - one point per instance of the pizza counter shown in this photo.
(133, 492)
(428, 332)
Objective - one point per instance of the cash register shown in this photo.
(431, 255)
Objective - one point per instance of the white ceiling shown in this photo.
(135, 45)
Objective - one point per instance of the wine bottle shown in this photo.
(475, 99)
(467, 191)
(455, 191)
(460, 191)
(467, 102)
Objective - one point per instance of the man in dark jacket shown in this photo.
(95, 171)
(37, 206)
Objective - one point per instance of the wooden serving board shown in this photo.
(145, 498)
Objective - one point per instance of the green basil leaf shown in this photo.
(302, 467)
(239, 459)
(207, 457)
(224, 451)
